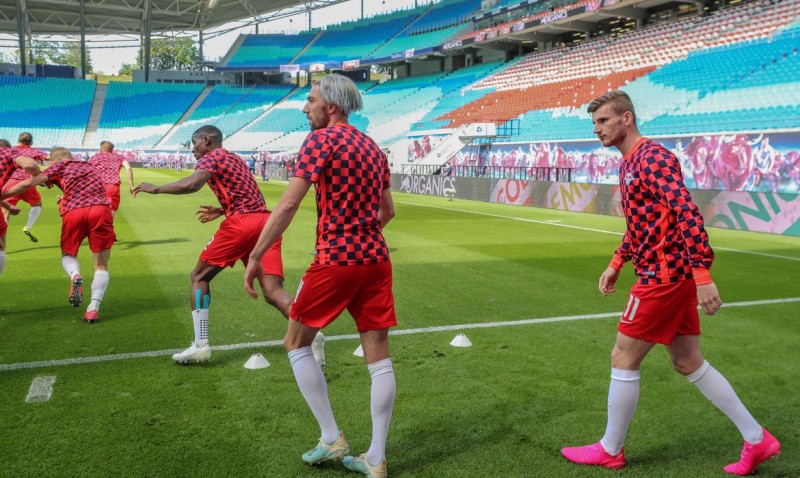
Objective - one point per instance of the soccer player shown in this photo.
(30, 196)
(10, 160)
(351, 269)
(245, 214)
(109, 164)
(85, 212)
(667, 242)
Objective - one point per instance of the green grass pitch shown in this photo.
(503, 407)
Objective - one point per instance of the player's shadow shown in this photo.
(33, 248)
(134, 244)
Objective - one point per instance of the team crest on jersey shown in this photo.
(628, 178)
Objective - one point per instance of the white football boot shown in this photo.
(194, 353)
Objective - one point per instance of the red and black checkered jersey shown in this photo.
(80, 182)
(665, 236)
(7, 164)
(349, 172)
(108, 164)
(232, 182)
(33, 153)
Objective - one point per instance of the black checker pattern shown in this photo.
(232, 182)
(109, 165)
(349, 172)
(665, 237)
(80, 182)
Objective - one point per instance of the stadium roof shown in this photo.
(63, 17)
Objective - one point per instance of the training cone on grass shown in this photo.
(359, 352)
(256, 361)
(461, 340)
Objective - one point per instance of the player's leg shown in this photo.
(311, 382)
(32, 197)
(759, 444)
(375, 344)
(101, 239)
(321, 297)
(374, 313)
(99, 285)
(623, 397)
(3, 230)
(200, 301)
(74, 230)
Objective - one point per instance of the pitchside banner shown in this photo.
(747, 211)
(768, 162)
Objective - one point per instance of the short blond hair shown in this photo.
(59, 153)
(619, 100)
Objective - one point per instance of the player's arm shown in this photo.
(185, 185)
(12, 210)
(386, 211)
(37, 178)
(279, 220)
(129, 172)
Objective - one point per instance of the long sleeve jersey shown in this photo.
(665, 237)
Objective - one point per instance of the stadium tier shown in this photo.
(356, 40)
(55, 111)
(228, 107)
(445, 14)
(268, 50)
(140, 114)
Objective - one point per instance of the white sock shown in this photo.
(718, 391)
(99, 286)
(71, 265)
(381, 403)
(623, 396)
(200, 319)
(33, 215)
(2, 261)
(312, 385)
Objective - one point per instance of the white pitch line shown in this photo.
(277, 343)
(41, 389)
(602, 231)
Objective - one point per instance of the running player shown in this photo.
(30, 196)
(109, 164)
(10, 160)
(85, 212)
(245, 214)
(667, 242)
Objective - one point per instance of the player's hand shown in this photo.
(607, 280)
(144, 188)
(708, 298)
(208, 213)
(12, 210)
(254, 271)
(133, 191)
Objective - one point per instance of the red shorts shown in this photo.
(3, 225)
(31, 196)
(365, 291)
(659, 313)
(235, 240)
(94, 222)
(112, 193)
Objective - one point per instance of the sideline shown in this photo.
(278, 343)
